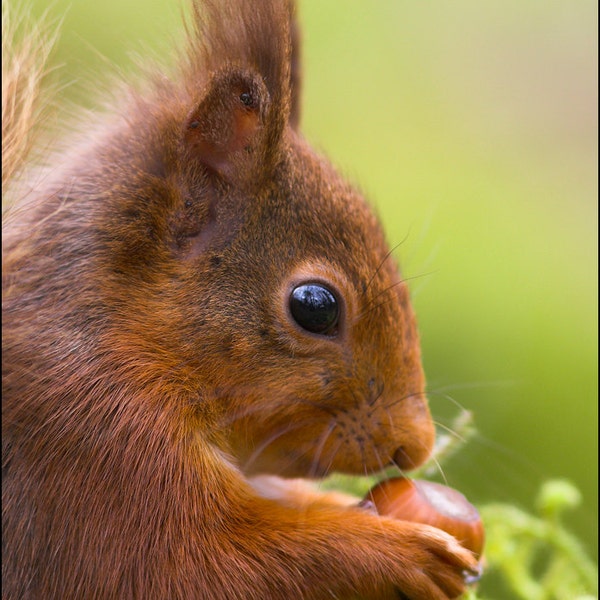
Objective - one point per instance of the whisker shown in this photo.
(238, 414)
(365, 469)
(397, 283)
(383, 261)
(334, 450)
(320, 447)
(326, 409)
(416, 290)
(383, 529)
(506, 452)
(390, 418)
(308, 452)
(268, 441)
(474, 385)
(395, 401)
(375, 398)
(451, 431)
(256, 407)
(455, 402)
(438, 467)
(401, 471)
(368, 308)
(420, 240)
(382, 466)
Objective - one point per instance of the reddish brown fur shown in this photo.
(150, 364)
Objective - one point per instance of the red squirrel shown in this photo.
(197, 309)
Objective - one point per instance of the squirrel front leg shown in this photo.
(299, 493)
(321, 551)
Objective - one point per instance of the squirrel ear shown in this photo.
(295, 72)
(242, 48)
(224, 132)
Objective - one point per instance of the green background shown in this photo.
(472, 127)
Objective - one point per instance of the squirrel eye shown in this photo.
(314, 308)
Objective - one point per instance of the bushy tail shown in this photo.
(25, 51)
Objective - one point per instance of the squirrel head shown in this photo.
(242, 280)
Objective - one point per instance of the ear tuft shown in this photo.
(258, 40)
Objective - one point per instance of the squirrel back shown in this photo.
(192, 297)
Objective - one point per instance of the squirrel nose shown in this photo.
(403, 459)
(408, 458)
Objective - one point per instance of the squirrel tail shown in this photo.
(26, 47)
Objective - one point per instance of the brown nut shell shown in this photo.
(431, 504)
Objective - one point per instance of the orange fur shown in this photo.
(151, 364)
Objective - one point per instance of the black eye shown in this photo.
(314, 308)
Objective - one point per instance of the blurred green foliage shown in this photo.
(472, 127)
(534, 557)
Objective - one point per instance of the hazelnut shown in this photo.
(431, 504)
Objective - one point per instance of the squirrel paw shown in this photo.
(435, 566)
